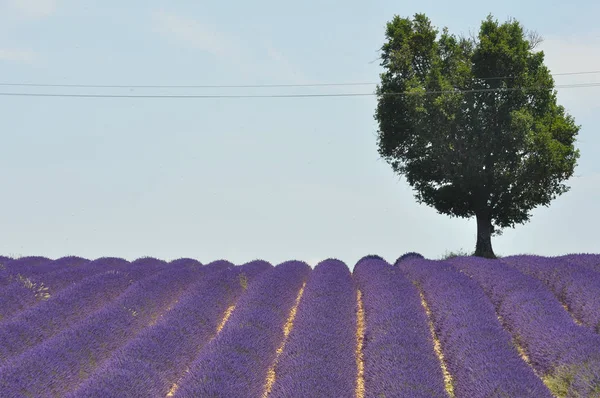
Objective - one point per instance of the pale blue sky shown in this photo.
(270, 178)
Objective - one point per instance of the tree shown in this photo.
(473, 123)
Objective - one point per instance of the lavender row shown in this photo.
(561, 351)
(323, 335)
(589, 261)
(409, 255)
(151, 363)
(29, 267)
(399, 359)
(577, 287)
(33, 326)
(180, 262)
(42, 322)
(27, 292)
(3, 261)
(479, 353)
(26, 266)
(60, 364)
(236, 361)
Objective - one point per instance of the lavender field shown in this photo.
(520, 326)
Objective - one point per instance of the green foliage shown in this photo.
(560, 381)
(473, 124)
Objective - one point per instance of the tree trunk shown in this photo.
(484, 236)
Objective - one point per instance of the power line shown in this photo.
(576, 73)
(552, 74)
(187, 86)
(183, 96)
(250, 85)
(481, 90)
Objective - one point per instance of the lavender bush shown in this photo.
(110, 328)
(39, 323)
(577, 287)
(25, 266)
(113, 262)
(236, 361)
(589, 261)
(185, 262)
(479, 352)
(565, 354)
(31, 327)
(27, 292)
(408, 255)
(60, 364)
(150, 364)
(371, 257)
(319, 356)
(399, 359)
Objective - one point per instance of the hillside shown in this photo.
(522, 326)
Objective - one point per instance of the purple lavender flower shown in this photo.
(408, 255)
(26, 292)
(111, 328)
(31, 327)
(589, 261)
(112, 262)
(25, 266)
(371, 257)
(73, 304)
(560, 350)
(479, 353)
(319, 356)
(149, 262)
(577, 287)
(150, 364)
(70, 261)
(29, 262)
(185, 262)
(399, 359)
(60, 364)
(235, 363)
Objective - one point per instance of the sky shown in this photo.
(247, 178)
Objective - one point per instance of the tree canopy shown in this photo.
(473, 124)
